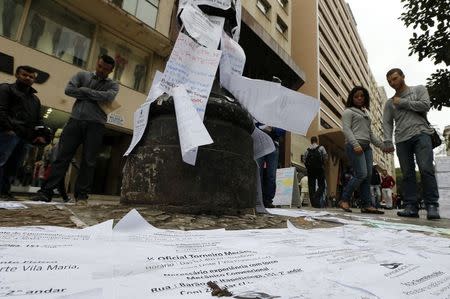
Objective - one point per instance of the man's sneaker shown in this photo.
(41, 197)
(409, 211)
(433, 212)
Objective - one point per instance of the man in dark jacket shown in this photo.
(20, 118)
(85, 126)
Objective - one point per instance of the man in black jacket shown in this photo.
(20, 118)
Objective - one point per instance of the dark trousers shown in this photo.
(12, 152)
(268, 175)
(76, 133)
(315, 195)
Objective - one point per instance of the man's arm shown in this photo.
(324, 153)
(420, 101)
(388, 124)
(5, 124)
(101, 96)
(73, 88)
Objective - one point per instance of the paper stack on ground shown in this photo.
(137, 260)
(443, 180)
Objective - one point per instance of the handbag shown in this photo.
(435, 138)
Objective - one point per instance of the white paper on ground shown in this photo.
(155, 90)
(262, 144)
(273, 104)
(133, 222)
(140, 123)
(206, 30)
(7, 205)
(191, 130)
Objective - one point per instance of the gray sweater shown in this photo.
(89, 90)
(408, 115)
(356, 126)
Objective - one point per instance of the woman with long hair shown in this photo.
(358, 137)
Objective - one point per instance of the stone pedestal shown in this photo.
(222, 181)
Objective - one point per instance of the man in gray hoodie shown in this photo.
(408, 109)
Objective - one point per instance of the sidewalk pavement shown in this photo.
(101, 208)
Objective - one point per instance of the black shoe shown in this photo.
(433, 212)
(7, 197)
(269, 206)
(41, 197)
(411, 212)
(371, 210)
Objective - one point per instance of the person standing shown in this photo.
(20, 119)
(304, 193)
(358, 137)
(268, 165)
(85, 126)
(314, 158)
(408, 109)
(375, 187)
(387, 183)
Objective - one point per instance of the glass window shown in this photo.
(131, 62)
(281, 26)
(52, 29)
(283, 3)
(263, 6)
(144, 10)
(11, 11)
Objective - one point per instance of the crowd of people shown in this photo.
(21, 125)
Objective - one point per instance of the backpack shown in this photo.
(314, 159)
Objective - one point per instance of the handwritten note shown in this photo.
(206, 30)
(262, 144)
(155, 90)
(232, 61)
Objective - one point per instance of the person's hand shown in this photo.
(389, 149)
(12, 133)
(358, 150)
(396, 101)
(39, 140)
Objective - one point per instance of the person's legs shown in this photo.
(15, 162)
(424, 156)
(358, 163)
(68, 144)
(318, 195)
(312, 178)
(8, 144)
(405, 154)
(388, 194)
(364, 186)
(271, 176)
(92, 141)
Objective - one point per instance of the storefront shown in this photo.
(61, 38)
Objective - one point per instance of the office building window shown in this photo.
(11, 11)
(281, 26)
(54, 30)
(284, 3)
(144, 10)
(263, 6)
(131, 62)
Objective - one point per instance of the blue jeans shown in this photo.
(420, 147)
(12, 150)
(268, 175)
(362, 173)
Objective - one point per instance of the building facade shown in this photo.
(60, 38)
(327, 45)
